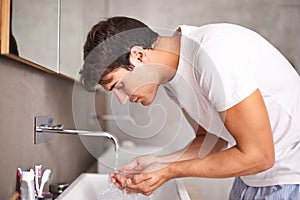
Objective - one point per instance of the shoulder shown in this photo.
(212, 30)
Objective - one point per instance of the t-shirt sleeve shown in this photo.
(225, 72)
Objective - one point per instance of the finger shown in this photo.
(140, 188)
(119, 186)
(112, 175)
(147, 193)
(137, 186)
(116, 183)
(148, 190)
(130, 191)
(139, 178)
(119, 180)
(147, 186)
(132, 188)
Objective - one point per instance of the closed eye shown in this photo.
(120, 85)
(112, 87)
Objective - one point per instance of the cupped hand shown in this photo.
(137, 165)
(152, 177)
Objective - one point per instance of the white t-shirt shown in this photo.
(222, 64)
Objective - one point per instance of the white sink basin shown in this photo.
(97, 187)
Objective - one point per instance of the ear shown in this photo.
(137, 55)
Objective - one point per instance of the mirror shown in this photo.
(49, 34)
(76, 19)
(29, 32)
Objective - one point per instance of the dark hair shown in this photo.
(108, 45)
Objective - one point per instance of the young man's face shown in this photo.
(138, 85)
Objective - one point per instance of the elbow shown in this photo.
(259, 161)
(266, 162)
(265, 166)
(269, 163)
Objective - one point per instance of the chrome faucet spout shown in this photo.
(44, 131)
(96, 134)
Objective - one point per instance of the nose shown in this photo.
(122, 97)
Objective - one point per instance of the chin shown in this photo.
(146, 103)
(147, 100)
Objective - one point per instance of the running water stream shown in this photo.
(112, 192)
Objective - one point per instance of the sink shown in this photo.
(91, 186)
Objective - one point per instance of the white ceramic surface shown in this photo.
(97, 187)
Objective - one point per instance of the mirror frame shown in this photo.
(5, 41)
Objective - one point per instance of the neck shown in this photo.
(168, 44)
(167, 50)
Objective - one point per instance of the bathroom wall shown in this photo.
(25, 93)
(276, 20)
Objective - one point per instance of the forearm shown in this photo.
(196, 149)
(249, 124)
(229, 163)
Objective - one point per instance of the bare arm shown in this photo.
(192, 150)
(248, 123)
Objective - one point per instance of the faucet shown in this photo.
(44, 130)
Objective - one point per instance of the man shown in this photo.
(228, 80)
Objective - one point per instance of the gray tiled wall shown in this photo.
(24, 93)
(277, 20)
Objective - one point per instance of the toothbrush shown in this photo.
(38, 174)
(45, 178)
(19, 176)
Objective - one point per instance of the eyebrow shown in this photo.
(112, 87)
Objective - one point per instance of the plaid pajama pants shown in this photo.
(241, 191)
